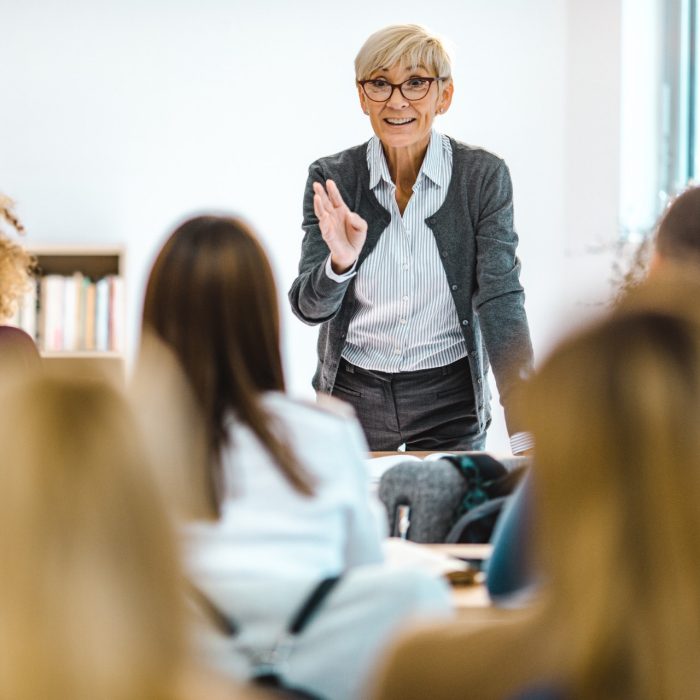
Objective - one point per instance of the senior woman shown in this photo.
(409, 263)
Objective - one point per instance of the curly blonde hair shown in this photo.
(17, 266)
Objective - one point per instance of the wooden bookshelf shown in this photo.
(73, 334)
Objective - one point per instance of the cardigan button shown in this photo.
(455, 287)
(466, 323)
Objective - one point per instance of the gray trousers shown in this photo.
(429, 409)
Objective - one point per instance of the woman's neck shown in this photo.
(405, 163)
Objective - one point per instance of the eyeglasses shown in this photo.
(380, 90)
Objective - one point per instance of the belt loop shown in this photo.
(349, 368)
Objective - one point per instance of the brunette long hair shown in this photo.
(211, 297)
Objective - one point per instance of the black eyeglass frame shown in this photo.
(394, 86)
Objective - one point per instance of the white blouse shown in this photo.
(267, 527)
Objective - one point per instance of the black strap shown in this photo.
(222, 622)
(311, 604)
(227, 625)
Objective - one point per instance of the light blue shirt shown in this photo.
(405, 318)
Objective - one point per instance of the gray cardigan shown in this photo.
(474, 233)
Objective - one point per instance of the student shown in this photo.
(617, 528)
(288, 493)
(17, 349)
(287, 485)
(91, 591)
(675, 256)
(677, 240)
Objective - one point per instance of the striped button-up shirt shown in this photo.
(405, 318)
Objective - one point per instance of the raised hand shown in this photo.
(343, 231)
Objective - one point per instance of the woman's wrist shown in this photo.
(340, 265)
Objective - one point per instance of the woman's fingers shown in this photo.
(334, 194)
(319, 208)
(343, 231)
(321, 196)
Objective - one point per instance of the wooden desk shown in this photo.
(409, 454)
(467, 597)
(403, 552)
(463, 551)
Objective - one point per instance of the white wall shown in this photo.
(120, 117)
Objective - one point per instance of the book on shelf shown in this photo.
(51, 313)
(89, 290)
(102, 315)
(116, 313)
(68, 313)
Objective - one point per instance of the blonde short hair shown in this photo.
(407, 45)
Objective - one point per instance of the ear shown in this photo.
(363, 99)
(445, 99)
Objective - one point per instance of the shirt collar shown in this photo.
(378, 168)
(433, 163)
(431, 167)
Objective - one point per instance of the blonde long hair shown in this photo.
(91, 588)
(616, 415)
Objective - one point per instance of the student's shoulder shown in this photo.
(328, 424)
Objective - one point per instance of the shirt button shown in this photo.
(402, 321)
(397, 351)
(404, 298)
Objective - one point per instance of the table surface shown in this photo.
(473, 596)
(463, 551)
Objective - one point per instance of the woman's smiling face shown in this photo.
(403, 123)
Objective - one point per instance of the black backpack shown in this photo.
(489, 484)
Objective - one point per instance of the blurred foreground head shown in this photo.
(16, 264)
(615, 413)
(678, 233)
(91, 589)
